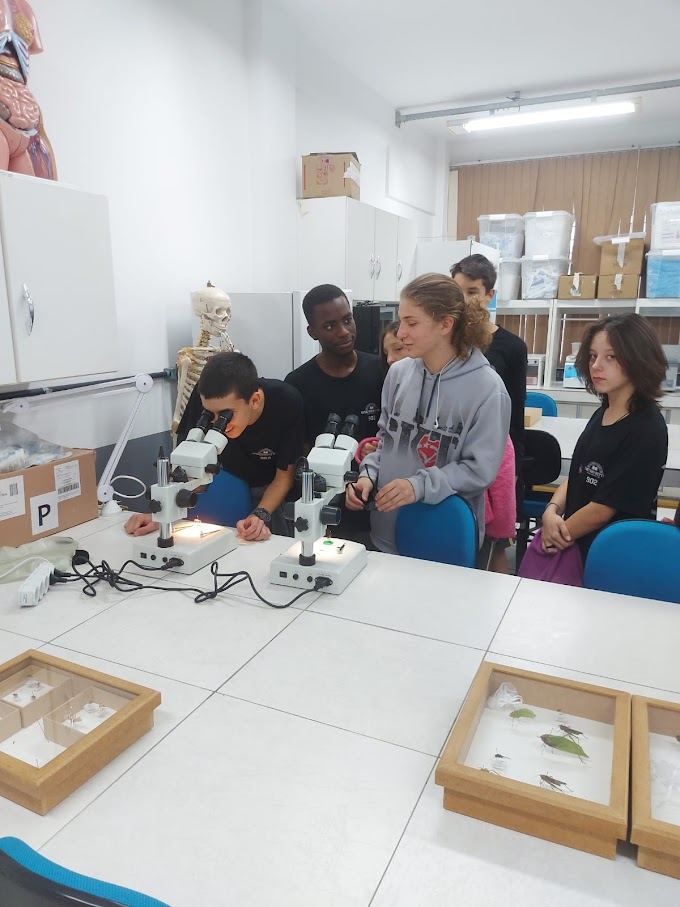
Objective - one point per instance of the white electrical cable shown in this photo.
(35, 557)
(129, 497)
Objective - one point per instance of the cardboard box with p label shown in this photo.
(41, 500)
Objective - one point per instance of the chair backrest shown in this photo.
(20, 864)
(542, 461)
(544, 402)
(636, 557)
(444, 532)
(225, 501)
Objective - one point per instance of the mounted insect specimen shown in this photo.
(564, 745)
(553, 784)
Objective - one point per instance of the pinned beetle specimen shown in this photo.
(564, 745)
(489, 771)
(553, 783)
(522, 713)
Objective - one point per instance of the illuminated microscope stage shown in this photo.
(197, 544)
(336, 560)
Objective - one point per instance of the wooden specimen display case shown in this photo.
(60, 723)
(655, 826)
(541, 755)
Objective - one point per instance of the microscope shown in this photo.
(315, 561)
(194, 463)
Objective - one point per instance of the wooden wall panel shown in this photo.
(603, 191)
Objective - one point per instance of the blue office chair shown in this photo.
(27, 878)
(225, 501)
(541, 465)
(544, 402)
(636, 557)
(444, 532)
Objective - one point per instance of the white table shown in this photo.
(568, 431)
(292, 758)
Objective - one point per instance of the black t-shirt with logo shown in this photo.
(274, 442)
(357, 394)
(618, 465)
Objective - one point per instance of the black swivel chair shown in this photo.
(541, 465)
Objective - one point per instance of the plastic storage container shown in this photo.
(541, 275)
(509, 276)
(663, 274)
(665, 225)
(504, 232)
(548, 233)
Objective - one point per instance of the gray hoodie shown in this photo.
(446, 433)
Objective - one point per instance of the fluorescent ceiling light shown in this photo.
(556, 115)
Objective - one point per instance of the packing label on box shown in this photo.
(45, 512)
(12, 502)
(67, 480)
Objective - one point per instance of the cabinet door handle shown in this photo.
(371, 270)
(30, 321)
(400, 270)
(378, 266)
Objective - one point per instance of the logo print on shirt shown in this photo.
(372, 411)
(428, 449)
(595, 470)
(265, 454)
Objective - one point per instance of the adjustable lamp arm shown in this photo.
(105, 490)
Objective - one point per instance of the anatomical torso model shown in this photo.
(24, 147)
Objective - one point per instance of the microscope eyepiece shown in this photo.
(332, 424)
(223, 420)
(350, 426)
(205, 421)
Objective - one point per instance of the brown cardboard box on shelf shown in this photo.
(41, 500)
(607, 286)
(583, 288)
(329, 175)
(622, 257)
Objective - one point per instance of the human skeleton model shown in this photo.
(213, 307)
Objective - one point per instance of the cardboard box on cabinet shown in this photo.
(332, 174)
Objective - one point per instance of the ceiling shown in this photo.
(453, 54)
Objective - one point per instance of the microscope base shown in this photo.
(196, 551)
(337, 560)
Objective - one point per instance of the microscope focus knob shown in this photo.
(213, 468)
(154, 506)
(186, 498)
(301, 524)
(330, 516)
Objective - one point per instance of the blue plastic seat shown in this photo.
(636, 557)
(444, 532)
(225, 501)
(61, 882)
(544, 402)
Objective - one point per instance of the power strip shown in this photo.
(35, 586)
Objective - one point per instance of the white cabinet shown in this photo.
(57, 299)
(353, 245)
(406, 252)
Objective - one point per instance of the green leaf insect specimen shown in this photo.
(522, 713)
(564, 745)
(552, 783)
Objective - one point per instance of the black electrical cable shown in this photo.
(104, 573)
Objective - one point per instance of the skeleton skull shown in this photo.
(213, 307)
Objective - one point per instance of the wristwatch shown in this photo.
(264, 515)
